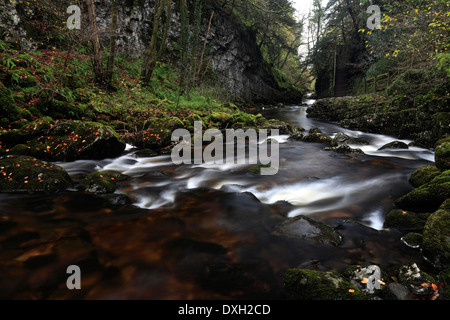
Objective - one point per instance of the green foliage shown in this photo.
(444, 62)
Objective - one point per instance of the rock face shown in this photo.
(236, 58)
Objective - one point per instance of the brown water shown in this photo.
(206, 232)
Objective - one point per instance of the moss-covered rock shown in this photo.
(428, 197)
(423, 176)
(28, 174)
(442, 156)
(74, 140)
(436, 237)
(301, 284)
(413, 239)
(99, 182)
(405, 220)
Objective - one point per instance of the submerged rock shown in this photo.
(302, 284)
(28, 174)
(344, 149)
(344, 139)
(302, 227)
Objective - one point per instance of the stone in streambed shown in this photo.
(436, 237)
(304, 228)
(423, 176)
(428, 197)
(405, 220)
(28, 174)
(100, 183)
(395, 145)
(302, 284)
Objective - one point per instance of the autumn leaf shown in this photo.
(364, 280)
(351, 290)
(435, 287)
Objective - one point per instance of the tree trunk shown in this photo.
(97, 59)
(113, 38)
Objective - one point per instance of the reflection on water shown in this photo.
(206, 231)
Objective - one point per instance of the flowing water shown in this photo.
(206, 231)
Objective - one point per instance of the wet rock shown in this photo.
(405, 220)
(395, 145)
(302, 227)
(368, 279)
(412, 239)
(436, 237)
(302, 284)
(315, 135)
(427, 197)
(99, 182)
(28, 174)
(344, 149)
(419, 283)
(423, 176)
(146, 153)
(397, 291)
(442, 156)
(116, 199)
(344, 139)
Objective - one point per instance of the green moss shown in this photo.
(428, 197)
(442, 156)
(301, 284)
(405, 220)
(28, 174)
(413, 239)
(436, 236)
(257, 169)
(424, 175)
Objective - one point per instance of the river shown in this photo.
(206, 231)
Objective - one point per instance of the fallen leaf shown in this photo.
(351, 290)
(365, 280)
(435, 287)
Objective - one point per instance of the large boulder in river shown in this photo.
(28, 174)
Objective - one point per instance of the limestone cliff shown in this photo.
(234, 54)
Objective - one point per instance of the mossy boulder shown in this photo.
(436, 237)
(413, 239)
(423, 176)
(28, 174)
(101, 182)
(8, 108)
(302, 284)
(428, 197)
(74, 140)
(405, 220)
(442, 156)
